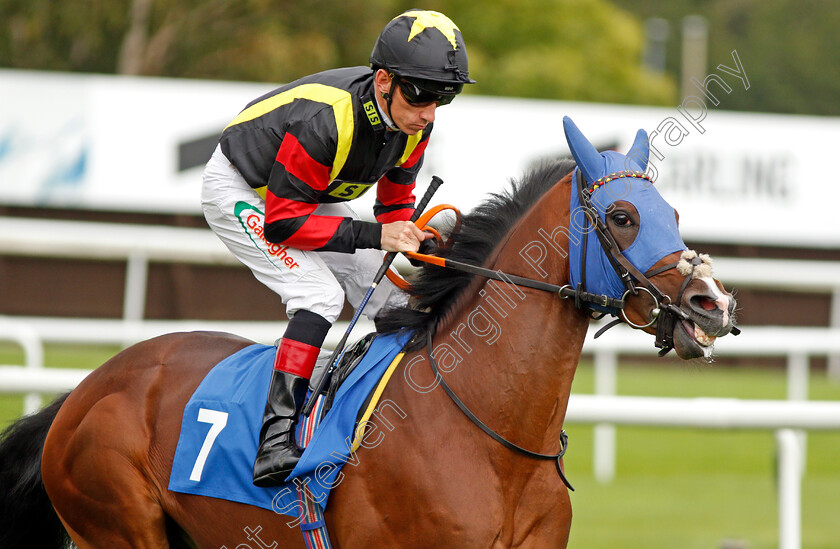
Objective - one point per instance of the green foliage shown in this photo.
(66, 36)
(585, 50)
(581, 50)
(789, 49)
(561, 49)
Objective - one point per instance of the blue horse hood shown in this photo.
(616, 177)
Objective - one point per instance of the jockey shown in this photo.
(275, 190)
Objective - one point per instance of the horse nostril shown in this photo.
(704, 302)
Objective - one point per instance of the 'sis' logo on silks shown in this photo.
(372, 115)
(253, 221)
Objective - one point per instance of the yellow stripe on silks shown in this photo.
(261, 191)
(410, 145)
(340, 100)
(374, 400)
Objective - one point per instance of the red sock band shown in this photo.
(296, 358)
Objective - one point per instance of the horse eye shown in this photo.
(622, 220)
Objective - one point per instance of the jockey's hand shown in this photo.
(402, 236)
(428, 247)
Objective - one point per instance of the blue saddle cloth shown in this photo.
(221, 423)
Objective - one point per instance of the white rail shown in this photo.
(30, 333)
(98, 331)
(710, 413)
(704, 412)
(716, 413)
(19, 379)
(139, 244)
(797, 345)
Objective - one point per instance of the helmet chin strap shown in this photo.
(389, 97)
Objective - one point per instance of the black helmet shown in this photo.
(425, 47)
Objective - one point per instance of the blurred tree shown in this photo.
(258, 40)
(579, 50)
(586, 50)
(65, 36)
(790, 49)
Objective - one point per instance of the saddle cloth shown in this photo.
(221, 423)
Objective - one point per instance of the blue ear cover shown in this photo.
(658, 232)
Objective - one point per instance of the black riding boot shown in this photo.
(296, 355)
(278, 452)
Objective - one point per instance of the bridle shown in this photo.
(664, 313)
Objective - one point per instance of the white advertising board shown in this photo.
(139, 144)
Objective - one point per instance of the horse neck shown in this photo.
(521, 345)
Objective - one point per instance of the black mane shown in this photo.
(435, 290)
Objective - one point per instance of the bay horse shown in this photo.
(94, 466)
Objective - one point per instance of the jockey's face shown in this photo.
(409, 118)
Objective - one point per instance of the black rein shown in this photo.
(564, 439)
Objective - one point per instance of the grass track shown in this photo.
(675, 488)
(693, 488)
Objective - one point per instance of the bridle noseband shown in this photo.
(664, 314)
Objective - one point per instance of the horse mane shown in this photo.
(435, 290)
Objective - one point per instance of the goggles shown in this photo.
(419, 97)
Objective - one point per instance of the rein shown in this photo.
(664, 314)
(581, 297)
(564, 438)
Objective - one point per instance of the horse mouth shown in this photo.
(691, 341)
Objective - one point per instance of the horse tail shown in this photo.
(27, 518)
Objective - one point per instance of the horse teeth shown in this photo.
(702, 338)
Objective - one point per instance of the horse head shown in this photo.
(625, 244)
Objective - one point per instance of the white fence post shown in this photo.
(136, 278)
(834, 322)
(798, 372)
(603, 450)
(797, 376)
(33, 354)
(790, 489)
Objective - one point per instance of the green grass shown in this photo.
(60, 356)
(674, 488)
(692, 488)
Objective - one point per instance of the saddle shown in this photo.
(221, 421)
(353, 355)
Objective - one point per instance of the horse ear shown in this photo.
(637, 157)
(586, 155)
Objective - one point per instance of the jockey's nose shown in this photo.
(428, 113)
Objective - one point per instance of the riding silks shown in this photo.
(221, 423)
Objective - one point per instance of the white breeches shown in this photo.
(315, 281)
